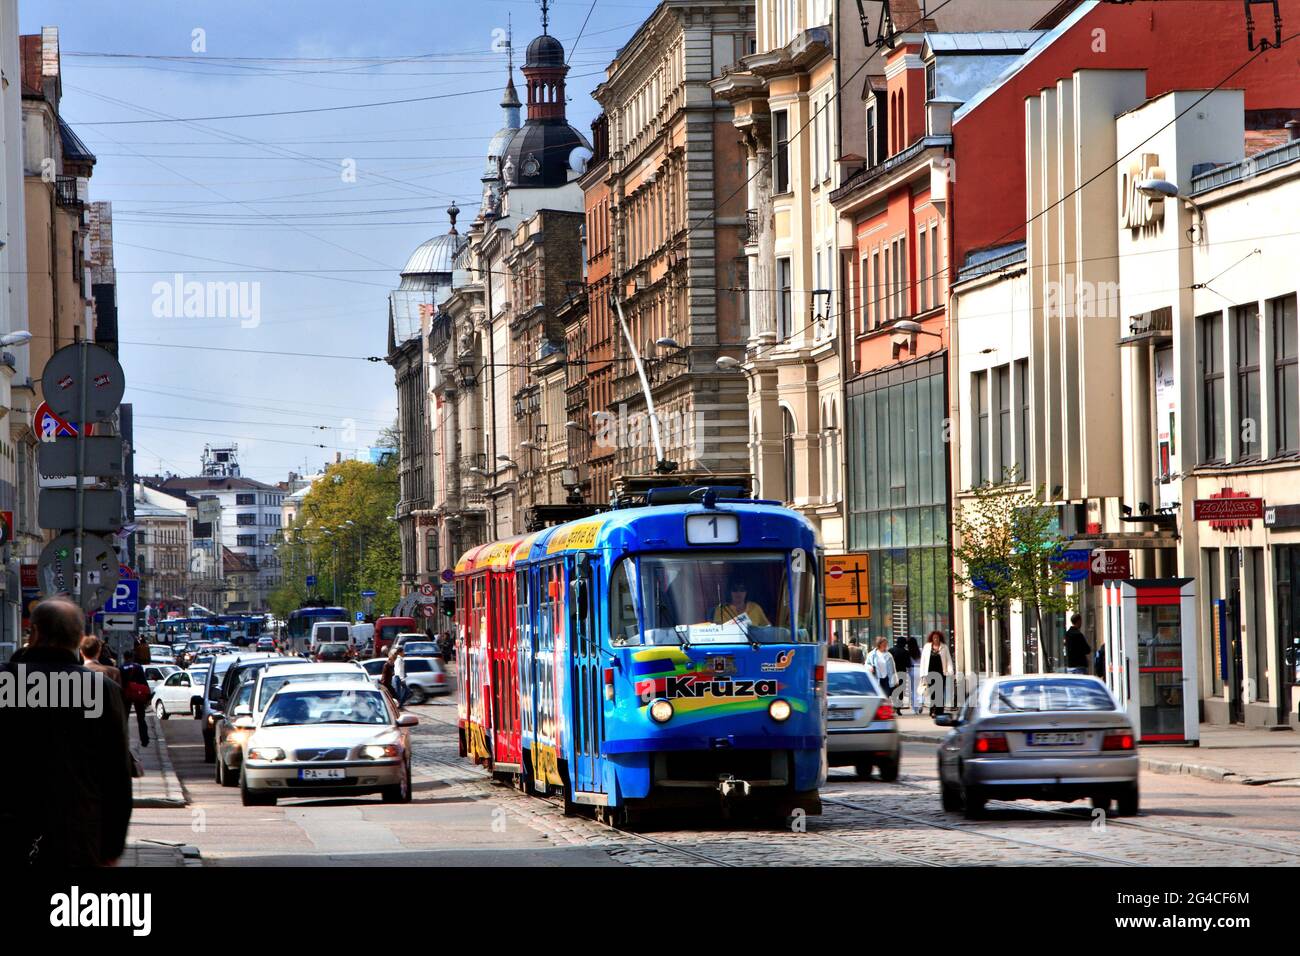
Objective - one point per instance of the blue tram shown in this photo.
(668, 655)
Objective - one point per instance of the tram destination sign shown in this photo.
(1227, 509)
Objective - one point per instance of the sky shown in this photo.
(301, 222)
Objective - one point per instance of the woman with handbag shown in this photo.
(936, 668)
(137, 693)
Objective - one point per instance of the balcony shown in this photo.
(753, 226)
(65, 192)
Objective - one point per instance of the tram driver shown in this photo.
(739, 608)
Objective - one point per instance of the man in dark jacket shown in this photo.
(1078, 652)
(65, 784)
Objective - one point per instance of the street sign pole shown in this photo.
(81, 480)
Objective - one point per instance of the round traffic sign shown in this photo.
(835, 571)
(426, 589)
(428, 610)
(62, 382)
(56, 570)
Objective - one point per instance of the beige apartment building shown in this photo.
(676, 193)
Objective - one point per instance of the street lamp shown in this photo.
(20, 337)
(726, 363)
(1162, 189)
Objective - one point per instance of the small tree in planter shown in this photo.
(1008, 550)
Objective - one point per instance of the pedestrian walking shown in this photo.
(403, 691)
(935, 668)
(1078, 652)
(65, 784)
(94, 652)
(140, 651)
(913, 671)
(137, 694)
(881, 663)
(902, 661)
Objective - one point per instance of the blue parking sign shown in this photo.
(126, 597)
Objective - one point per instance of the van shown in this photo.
(362, 634)
(330, 632)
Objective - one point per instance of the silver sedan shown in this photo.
(319, 739)
(1042, 737)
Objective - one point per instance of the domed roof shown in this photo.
(538, 154)
(545, 50)
(497, 150)
(436, 255)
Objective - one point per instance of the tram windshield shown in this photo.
(713, 599)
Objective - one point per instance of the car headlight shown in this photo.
(779, 709)
(236, 738)
(266, 753)
(661, 711)
(380, 751)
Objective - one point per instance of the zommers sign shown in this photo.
(1228, 510)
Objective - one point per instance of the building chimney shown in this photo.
(1292, 128)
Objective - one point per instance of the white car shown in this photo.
(320, 739)
(155, 674)
(180, 693)
(330, 632)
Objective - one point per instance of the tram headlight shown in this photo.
(779, 710)
(661, 711)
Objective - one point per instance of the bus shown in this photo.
(297, 629)
(245, 629)
(181, 629)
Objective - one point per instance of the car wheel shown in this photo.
(219, 772)
(399, 793)
(419, 695)
(889, 770)
(972, 802)
(863, 769)
(1128, 802)
(950, 797)
(196, 710)
(251, 798)
(159, 709)
(228, 776)
(1101, 803)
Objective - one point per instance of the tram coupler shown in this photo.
(733, 789)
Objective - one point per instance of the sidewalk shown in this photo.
(1226, 754)
(159, 787)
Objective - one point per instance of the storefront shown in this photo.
(898, 494)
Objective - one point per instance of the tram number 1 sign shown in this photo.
(847, 583)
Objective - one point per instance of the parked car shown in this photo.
(425, 676)
(861, 727)
(180, 693)
(1042, 737)
(319, 739)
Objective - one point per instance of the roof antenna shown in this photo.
(510, 49)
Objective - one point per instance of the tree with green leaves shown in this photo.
(1008, 550)
(344, 536)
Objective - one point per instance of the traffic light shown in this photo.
(449, 607)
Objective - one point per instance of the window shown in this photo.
(781, 152)
(887, 299)
(246, 541)
(980, 445)
(826, 136)
(431, 552)
(873, 134)
(934, 265)
(1022, 422)
(1211, 387)
(1246, 320)
(1286, 383)
(245, 499)
(900, 278)
(831, 479)
(787, 445)
(921, 272)
(248, 518)
(929, 81)
(1005, 459)
(783, 305)
(874, 319)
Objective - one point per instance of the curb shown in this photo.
(173, 794)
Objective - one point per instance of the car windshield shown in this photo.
(1036, 696)
(711, 599)
(274, 682)
(850, 684)
(327, 707)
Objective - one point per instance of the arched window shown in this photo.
(787, 434)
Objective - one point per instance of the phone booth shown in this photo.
(1151, 657)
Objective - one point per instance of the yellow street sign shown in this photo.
(848, 586)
